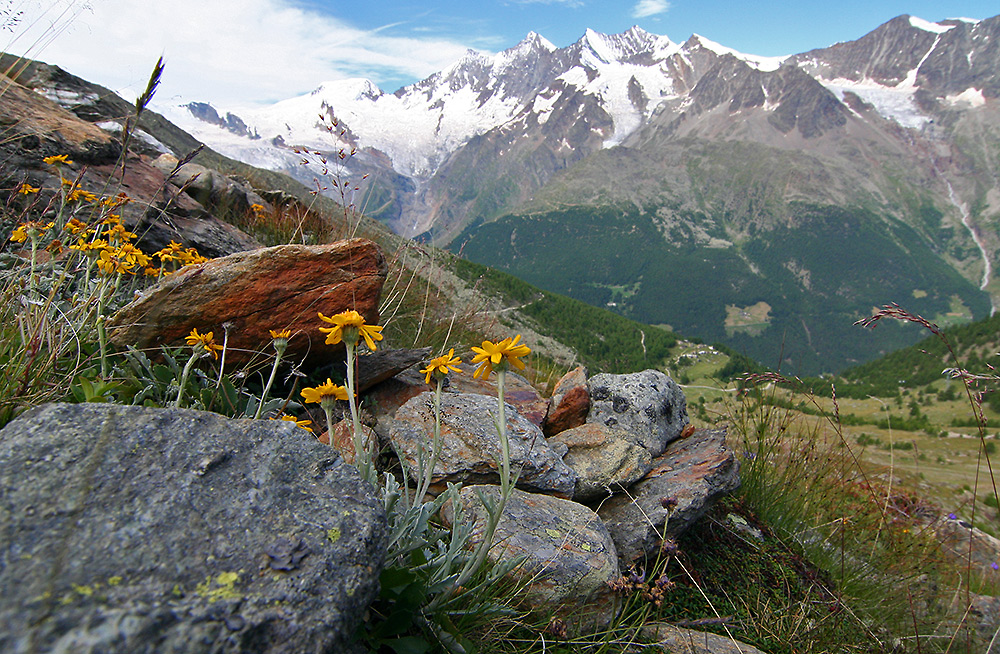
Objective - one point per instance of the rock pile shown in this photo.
(129, 528)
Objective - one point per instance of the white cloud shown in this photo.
(229, 52)
(647, 8)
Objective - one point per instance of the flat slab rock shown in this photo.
(470, 445)
(569, 557)
(683, 484)
(127, 529)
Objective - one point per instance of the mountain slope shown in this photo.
(776, 172)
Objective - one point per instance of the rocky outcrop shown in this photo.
(126, 529)
(136, 529)
(36, 127)
(283, 287)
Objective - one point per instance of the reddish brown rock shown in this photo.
(569, 404)
(517, 391)
(282, 287)
(343, 439)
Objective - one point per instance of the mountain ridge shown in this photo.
(895, 135)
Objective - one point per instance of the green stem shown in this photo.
(506, 487)
(270, 380)
(328, 410)
(435, 445)
(502, 432)
(184, 378)
(31, 276)
(102, 332)
(362, 458)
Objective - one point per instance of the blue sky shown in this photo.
(245, 52)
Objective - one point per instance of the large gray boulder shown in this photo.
(126, 529)
(648, 407)
(568, 557)
(470, 445)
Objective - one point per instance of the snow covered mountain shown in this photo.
(614, 84)
(684, 183)
(433, 151)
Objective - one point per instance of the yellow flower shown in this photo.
(75, 226)
(324, 391)
(439, 366)
(27, 189)
(30, 229)
(190, 256)
(173, 252)
(115, 202)
(110, 262)
(194, 339)
(118, 232)
(279, 339)
(92, 249)
(133, 254)
(256, 208)
(80, 194)
(57, 159)
(304, 424)
(352, 324)
(492, 354)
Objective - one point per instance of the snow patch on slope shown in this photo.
(928, 26)
(765, 64)
(894, 103)
(971, 96)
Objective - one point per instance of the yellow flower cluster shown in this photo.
(30, 229)
(177, 253)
